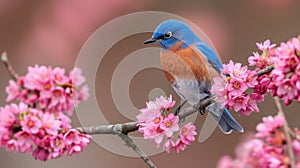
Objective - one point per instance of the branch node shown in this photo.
(11, 71)
(4, 57)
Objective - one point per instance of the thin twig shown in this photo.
(294, 134)
(268, 69)
(286, 131)
(109, 129)
(11, 71)
(129, 142)
(121, 130)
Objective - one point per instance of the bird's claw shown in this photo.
(202, 111)
(179, 108)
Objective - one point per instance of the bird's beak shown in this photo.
(152, 40)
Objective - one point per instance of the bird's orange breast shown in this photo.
(187, 63)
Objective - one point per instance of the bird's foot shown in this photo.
(202, 109)
(179, 107)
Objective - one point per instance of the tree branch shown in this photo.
(286, 131)
(11, 71)
(128, 127)
(267, 70)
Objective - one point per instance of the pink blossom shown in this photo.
(57, 144)
(37, 76)
(269, 125)
(253, 99)
(76, 76)
(239, 103)
(265, 46)
(65, 121)
(31, 124)
(169, 144)
(83, 93)
(18, 109)
(13, 91)
(179, 145)
(253, 60)
(154, 108)
(5, 137)
(228, 162)
(46, 141)
(296, 146)
(170, 124)
(148, 115)
(229, 68)
(50, 124)
(12, 145)
(24, 141)
(75, 141)
(74, 149)
(7, 117)
(153, 131)
(296, 44)
(187, 133)
(251, 79)
(72, 136)
(219, 84)
(263, 84)
(41, 154)
(59, 77)
(236, 87)
(288, 90)
(58, 99)
(165, 103)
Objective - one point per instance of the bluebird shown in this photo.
(189, 64)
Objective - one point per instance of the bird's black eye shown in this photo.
(168, 35)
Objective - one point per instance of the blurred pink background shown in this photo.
(52, 33)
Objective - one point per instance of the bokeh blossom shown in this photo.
(40, 123)
(266, 149)
(157, 123)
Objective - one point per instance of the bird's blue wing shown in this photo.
(210, 54)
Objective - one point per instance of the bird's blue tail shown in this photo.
(225, 120)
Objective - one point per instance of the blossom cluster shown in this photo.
(39, 123)
(286, 75)
(49, 89)
(232, 85)
(267, 149)
(284, 80)
(241, 89)
(156, 122)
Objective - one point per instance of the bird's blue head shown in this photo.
(170, 32)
